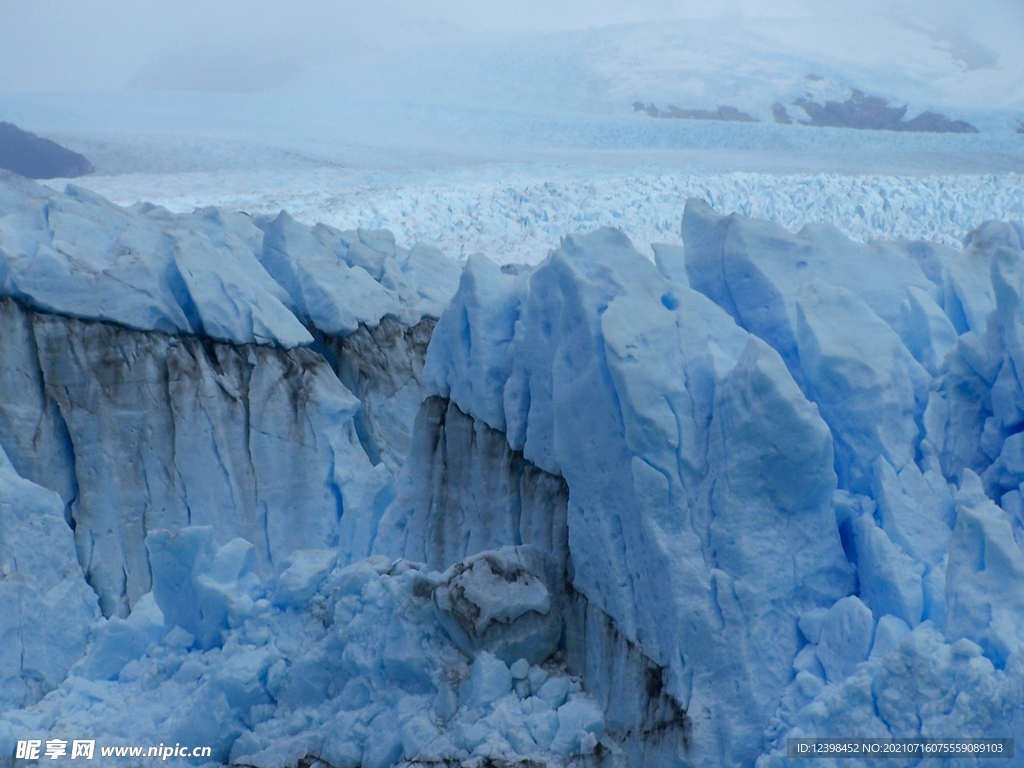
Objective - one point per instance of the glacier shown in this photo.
(516, 212)
(308, 497)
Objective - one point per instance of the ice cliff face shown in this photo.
(605, 511)
(211, 413)
(145, 431)
(655, 409)
(772, 463)
(178, 409)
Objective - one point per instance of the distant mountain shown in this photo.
(754, 63)
(35, 158)
(726, 113)
(872, 113)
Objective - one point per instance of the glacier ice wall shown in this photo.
(253, 440)
(200, 374)
(305, 494)
(769, 494)
(655, 408)
(208, 414)
(383, 367)
(905, 348)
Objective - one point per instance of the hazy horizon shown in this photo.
(236, 46)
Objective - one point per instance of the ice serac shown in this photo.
(753, 269)
(434, 276)
(870, 390)
(976, 411)
(482, 318)
(211, 273)
(773, 531)
(77, 254)
(985, 576)
(333, 296)
(73, 262)
(234, 298)
(655, 409)
(866, 352)
(918, 385)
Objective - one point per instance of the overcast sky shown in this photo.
(247, 44)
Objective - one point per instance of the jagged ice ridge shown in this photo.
(512, 214)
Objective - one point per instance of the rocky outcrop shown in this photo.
(725, 113)
(781, 116)
(875, 114)
(858, 111)
(29, 155)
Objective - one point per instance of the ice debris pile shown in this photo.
(770, 485)
(348, 664)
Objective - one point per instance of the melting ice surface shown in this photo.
(615, 513)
